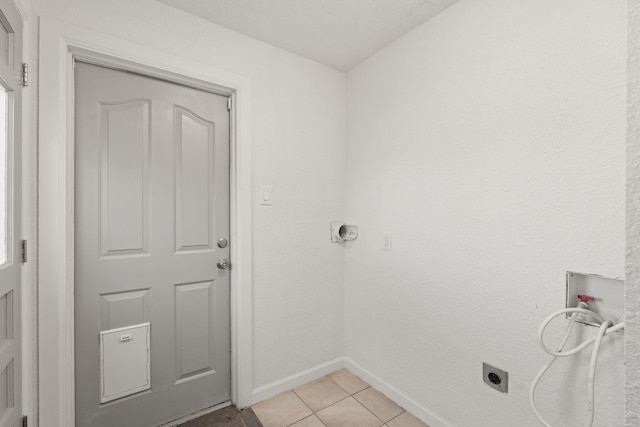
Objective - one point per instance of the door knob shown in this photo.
(223, 264)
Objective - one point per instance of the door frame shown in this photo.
(60, 45)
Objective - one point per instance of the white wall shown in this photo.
(298, 117)
(491, 142)
(632, 333)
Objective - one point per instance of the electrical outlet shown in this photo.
(495, 378)
(603, 295)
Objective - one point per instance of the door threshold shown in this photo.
(197, 414)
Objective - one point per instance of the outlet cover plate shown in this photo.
(608, 294)
(495, 378)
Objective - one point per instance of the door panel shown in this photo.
(152, 197)
(10, 215)
(124, 179)
(194, 317)
(123, 309)
(194, 174)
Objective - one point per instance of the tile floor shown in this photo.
(340, 399)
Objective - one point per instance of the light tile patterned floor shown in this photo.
(340, 399)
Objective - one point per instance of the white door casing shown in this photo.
(60, 45)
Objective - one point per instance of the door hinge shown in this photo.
(229, 104)
(25, 74)
(23, 246)
(24, 421)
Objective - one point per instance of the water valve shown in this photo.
(604, 295)
(585, 298)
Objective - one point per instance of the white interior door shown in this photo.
(151, 205)
(10, 215)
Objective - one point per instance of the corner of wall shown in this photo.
(632, 330)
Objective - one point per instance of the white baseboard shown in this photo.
(397, 396)
(264, 392)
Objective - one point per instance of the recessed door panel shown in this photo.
(194, 328)
(124, 309)
(124, 183)
(6, 389)
(150, 159)
(5, 181)
(194, 175)
(6, 317)
(7, 37)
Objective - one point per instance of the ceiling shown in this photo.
(337, 33)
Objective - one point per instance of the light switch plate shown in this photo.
(607, 294)
(386, 241)
(265, 195)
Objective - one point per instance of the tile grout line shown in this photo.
(367, 408)
(305, 404)
(403, 411)
(353, 395)
(309, 416)
(337, 401)
(302, 400)
(347, 391)
(356, 399)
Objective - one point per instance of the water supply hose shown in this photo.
(605, 329)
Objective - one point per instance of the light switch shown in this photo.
(386, 241)
(265, 195)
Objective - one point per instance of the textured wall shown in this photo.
(491, 142)
(632, 334)
(298, 118)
